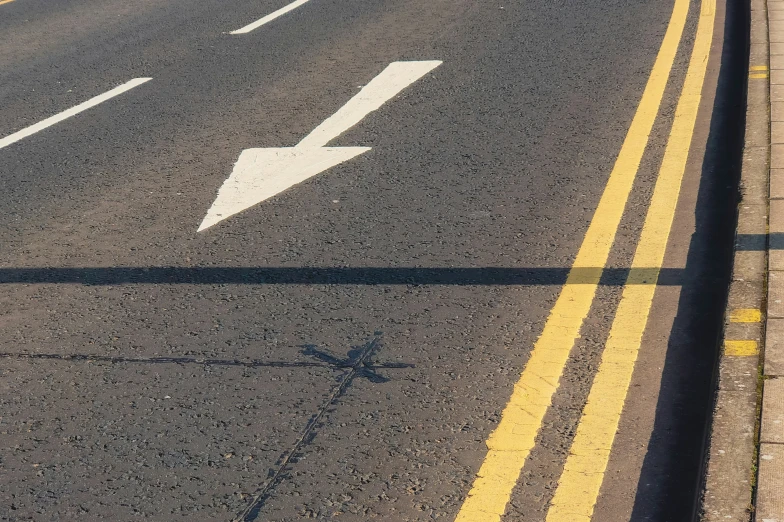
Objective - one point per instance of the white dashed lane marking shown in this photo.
(270, 17)
(57, 118)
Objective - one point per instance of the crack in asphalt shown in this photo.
(359, 365)
(328, 361)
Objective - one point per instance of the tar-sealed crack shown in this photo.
(327, 361)
(359, 364)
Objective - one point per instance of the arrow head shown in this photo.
(260, 174)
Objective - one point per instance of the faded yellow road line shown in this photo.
(741, 348)
(511, 442)
(5, 2)
(746, 315)
(578, 487)
(758, 71)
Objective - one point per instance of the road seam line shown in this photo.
(511, 442)
(583, 473)
(57, 118)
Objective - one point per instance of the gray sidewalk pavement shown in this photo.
(770, 480)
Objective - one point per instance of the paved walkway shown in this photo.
(770, 490)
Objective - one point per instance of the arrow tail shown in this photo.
(396, 77)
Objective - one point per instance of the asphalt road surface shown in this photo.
(395, 260)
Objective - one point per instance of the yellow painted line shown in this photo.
(757, 72)
(511, 442)
(740, 348)
(5, 2)
(745, 315)
(581, 479)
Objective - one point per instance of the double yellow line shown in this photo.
(510, 444)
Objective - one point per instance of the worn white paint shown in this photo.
(262, 173)
(57, 118)
(270, 17)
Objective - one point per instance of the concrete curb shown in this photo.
(731, 480)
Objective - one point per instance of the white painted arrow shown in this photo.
(260, 174)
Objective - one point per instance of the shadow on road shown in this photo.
(337, 276)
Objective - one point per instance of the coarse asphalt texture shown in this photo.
(344, 349)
